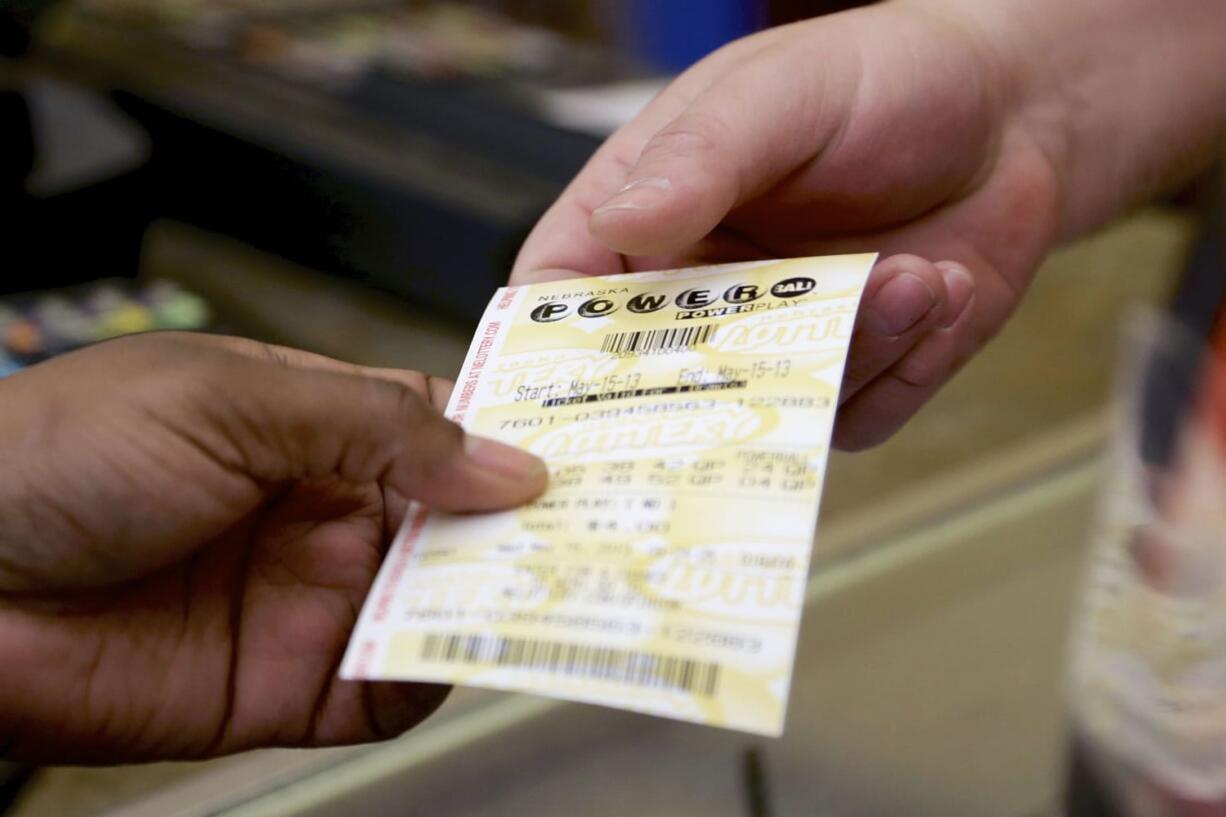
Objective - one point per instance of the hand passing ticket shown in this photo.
(686, 418)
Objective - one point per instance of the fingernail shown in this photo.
(640, 194)
(900, 304)
(503, 459)
(960, 285)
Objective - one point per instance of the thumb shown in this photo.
(294, 423)
(735, 141)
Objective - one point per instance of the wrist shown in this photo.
(1125, 98)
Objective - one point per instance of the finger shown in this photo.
(361, 711)
(426, 385)
(395, 707)
(561, 245)
(906, 298)
(885, 403)
(283, 423)
(436, 390)
(440, 392)
(1001, 270)
(738, 139)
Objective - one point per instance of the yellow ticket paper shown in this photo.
(686, 420)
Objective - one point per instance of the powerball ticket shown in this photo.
(685, 417)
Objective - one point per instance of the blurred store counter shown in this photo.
(408, 149)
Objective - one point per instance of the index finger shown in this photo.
(436, 390)
(561, 245)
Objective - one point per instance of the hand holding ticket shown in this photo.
(686, 420)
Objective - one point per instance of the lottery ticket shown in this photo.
(685, 417)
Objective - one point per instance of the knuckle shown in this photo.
(693, 133)
(438, 389)
(147, 352)
(941, 354)
(406, 402)
(860, 370)
(923, 371)
(871, 355)
(435, 437)
(623, 161)
(270, 353)
(859, 431)
(437, 453)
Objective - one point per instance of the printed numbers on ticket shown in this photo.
(685, 417)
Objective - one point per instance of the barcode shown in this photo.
(649, 341)
(622, 666)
